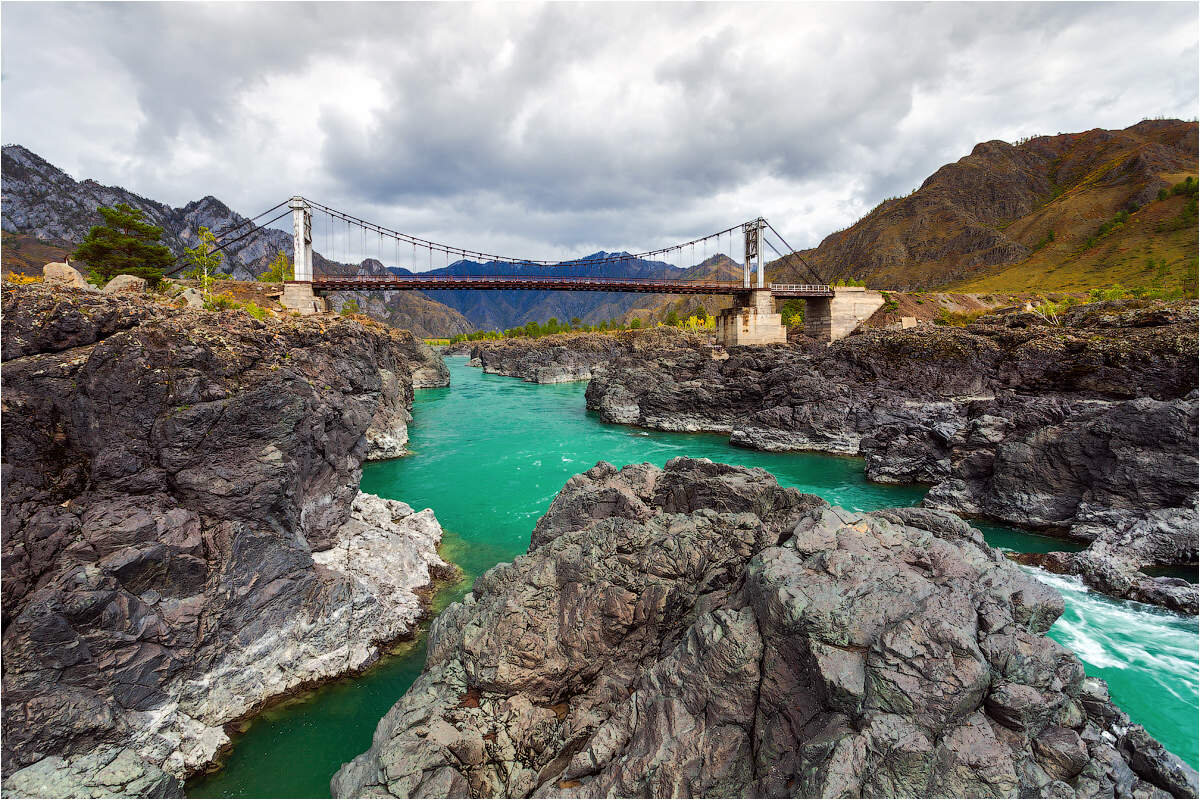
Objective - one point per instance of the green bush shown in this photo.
(256, 311)
(958, 319)
(1047, 239)
(220, 302)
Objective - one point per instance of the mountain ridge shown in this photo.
(994, 208)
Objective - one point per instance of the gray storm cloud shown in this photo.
(553, 130)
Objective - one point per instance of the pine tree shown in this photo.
(124, 245)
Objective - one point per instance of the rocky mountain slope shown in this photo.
(700, 631)
(183, 534)
(1088, 428)
(996, 208)
(52, 212)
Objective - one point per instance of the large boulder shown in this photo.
(192, 298)
(125, 283)
(699, 630)
(63, 274)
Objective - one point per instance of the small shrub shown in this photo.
(958, 319)
(350, 307)
(1047, 239)
(220, 302)
(256, 311)
(23, 280)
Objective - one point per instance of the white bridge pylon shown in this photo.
(301, 238)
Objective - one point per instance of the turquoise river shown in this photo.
(489, 454)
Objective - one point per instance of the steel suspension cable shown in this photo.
(815, 274)
(233, 228)
(255, 229)
(432, 245)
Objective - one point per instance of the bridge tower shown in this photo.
(753, 318)
(301, 238)
(298, 294)
(753, 242)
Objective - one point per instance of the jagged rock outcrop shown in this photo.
(1087, 428)
(699, 630)
(565, 357)
(183, 534)
(387, 437)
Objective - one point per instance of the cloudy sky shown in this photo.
(548, 131)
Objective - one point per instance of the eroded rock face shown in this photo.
(1088, 428)
(566, 357)
(700, 630)
(183, 535)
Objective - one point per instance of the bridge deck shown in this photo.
(566, 284)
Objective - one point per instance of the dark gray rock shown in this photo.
(566, 357)
(701, 631)
(183, 534)
(1088, 429)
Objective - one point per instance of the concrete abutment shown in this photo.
(828, 319)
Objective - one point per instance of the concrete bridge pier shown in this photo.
(299, 296)
(751, 320)
(828, 319)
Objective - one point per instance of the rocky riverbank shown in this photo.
(184, 539)
(699, 630)
(564, 357)
(1087, 428)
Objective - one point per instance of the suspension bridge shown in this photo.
(831, 312)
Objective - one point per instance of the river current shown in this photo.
(490, 453)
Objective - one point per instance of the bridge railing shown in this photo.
(523, 279)
(559, 282)
(800, 287)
